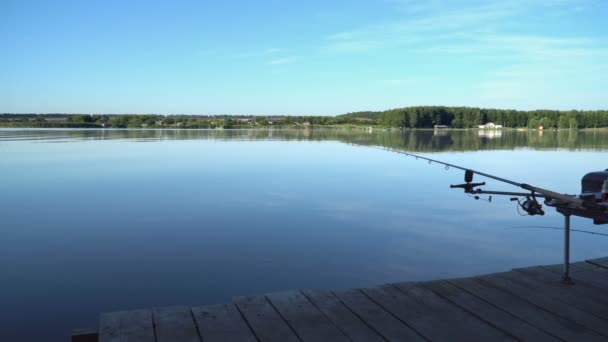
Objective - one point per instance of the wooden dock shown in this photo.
(529, 304)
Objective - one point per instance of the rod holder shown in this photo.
(566, 276)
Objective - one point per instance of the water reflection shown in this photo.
(411, 140)
(490, 134)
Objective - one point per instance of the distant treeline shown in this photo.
(466, 117)
(171, 121)
(408, 117)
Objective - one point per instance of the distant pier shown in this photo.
(529, 304)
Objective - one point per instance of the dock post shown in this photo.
(566, 276)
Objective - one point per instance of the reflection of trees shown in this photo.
(410, 140)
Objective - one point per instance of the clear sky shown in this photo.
(300, 57)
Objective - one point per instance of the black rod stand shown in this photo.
(566, 276)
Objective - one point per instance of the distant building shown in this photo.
(490, 125)
(441, 127)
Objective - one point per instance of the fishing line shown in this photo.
(559, 228)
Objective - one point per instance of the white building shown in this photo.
(490, 125)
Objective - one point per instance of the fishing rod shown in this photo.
(469, 186)
(592, 203)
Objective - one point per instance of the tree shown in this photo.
(414, 118)
(80, 118)
(261, 120)
(563, 122)
(546, 122)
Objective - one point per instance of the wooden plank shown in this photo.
(264, 320)
(575, 267)
(85, 335)
(175, 324)
(342, 317)
(220, 323)
(599, 272)
(309, 323)
(375, 316)
(126, 326)
(559, 269)
(519, 328)
(580, 294)
(542, 319)
(591, 275)
(596, 279)
(548, 303)
(601, 262)
(432, 316)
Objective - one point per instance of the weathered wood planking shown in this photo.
(85, 335)
(309, 323)
(124, 326)
(264, 320)
(549, 303)
(342, 317)
(542, 319)
(601, 262)
(381, 321)
(597, 278)
(525, 304)
(175, 324)
(575, 267)
(432, 316)
(223, 322)
(517, 327)
(581, 295)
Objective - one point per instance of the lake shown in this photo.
(105, 220)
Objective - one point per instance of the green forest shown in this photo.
(408, 117)
(470, 117)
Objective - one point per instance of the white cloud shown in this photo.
(440, 22)
(517, 66)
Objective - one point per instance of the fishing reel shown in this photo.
(530, 205)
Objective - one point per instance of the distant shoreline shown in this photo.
(420, 117)
(292, 127)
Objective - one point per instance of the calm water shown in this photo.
(102, 220)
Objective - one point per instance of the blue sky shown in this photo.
(301, 57)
